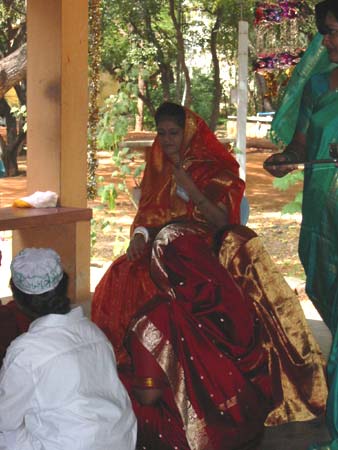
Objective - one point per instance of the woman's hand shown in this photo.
(215, 215)
(183, 179)
(175, 159)
(136, 247)
(276, 170)
(293, 154)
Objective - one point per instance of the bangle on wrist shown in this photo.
(143, 231)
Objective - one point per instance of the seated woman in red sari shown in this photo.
(191, 185)
(190, 178)
(200, 371)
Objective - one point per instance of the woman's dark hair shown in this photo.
(171, 111)
(51, 302)
(322, 9)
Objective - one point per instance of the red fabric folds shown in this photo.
(12, 323)
(205, 341)
(127, 285)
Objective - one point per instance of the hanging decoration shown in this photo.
(279, 43)
(269, 12)
(273, 61)
(94, 56)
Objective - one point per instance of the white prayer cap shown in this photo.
(36, 270)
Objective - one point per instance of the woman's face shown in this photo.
(170, 136)
(330, 40)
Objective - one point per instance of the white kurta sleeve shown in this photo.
(2, 442)
(16, 394)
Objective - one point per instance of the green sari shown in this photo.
(318, 244)
(317, 113)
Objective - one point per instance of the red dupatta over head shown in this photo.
(210, 164)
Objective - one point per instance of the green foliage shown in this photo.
(93, 233)
(12, 25)
(108, 194)
(284, 184)
(141, 35)
(288, 180)
(202, 86)
(20, 112)
(116, 116)
(107, 225)
(295, 206)
(136, 33)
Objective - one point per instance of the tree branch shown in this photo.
(13, 69)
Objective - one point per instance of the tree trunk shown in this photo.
(217, 81)
(140, 103)
(181, 53)
(13, 69)
(265, 103)
(13, 140)
(10, 157)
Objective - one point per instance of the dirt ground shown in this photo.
(110, 230)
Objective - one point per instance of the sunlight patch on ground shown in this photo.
(296, 217)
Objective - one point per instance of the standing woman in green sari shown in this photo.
(307, 122)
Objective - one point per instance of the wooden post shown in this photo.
(242, 95)
(57, 112)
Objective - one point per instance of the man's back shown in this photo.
(60, 380)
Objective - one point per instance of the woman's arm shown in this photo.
(215, 215)
(137, 246)
(295, 152)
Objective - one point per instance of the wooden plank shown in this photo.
(23, 218)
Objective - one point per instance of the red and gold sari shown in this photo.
(201, 343)
(295, 360)
(126, 286)
(13, 322)
(296, 363)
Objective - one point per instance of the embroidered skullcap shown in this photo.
(36, 270)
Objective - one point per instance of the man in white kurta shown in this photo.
(59, 389)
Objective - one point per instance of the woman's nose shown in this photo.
(166, 138)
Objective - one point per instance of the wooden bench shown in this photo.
(23, 218)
